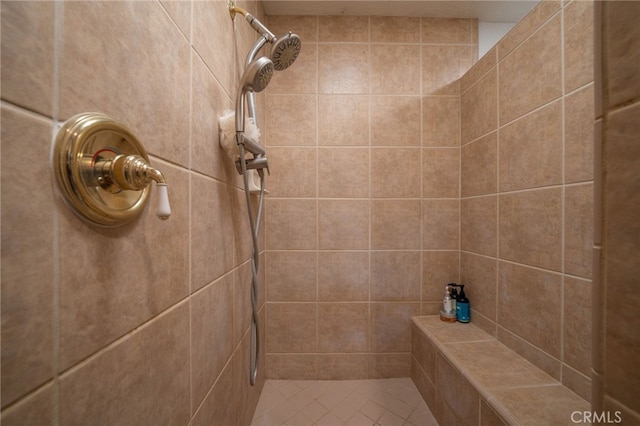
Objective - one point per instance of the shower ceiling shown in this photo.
(485, 11)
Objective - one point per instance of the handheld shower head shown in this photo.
(256, 77)
(285, 51)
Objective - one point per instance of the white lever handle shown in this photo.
(164, 209)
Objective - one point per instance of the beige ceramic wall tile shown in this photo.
(531, 227)
(577, 382)
(488, 416)
(395, 275)
(212, 339)
(394, 224)
(28, 210)
(383, 366)
(36, 409)
(479, 274)
(423, 351)
(395, 121)
(535, 319)
(578, 44)
(478, 225)
(291, 366)
(441, 121)
(242, 282)
(524, 403)
(623, 51)
(395, 29)
(342, 366)
(442, 66)
(343, 68)
(530, 150)
(242, 241)
(439, 268)
(395, 69)
(343, 224)
(495, 366)
(291, 276)
(441, 172)
(180, 12)
(343, 120)
(291, 327)
(577, 324)
(622, 201)
(343, 28)
(116, 81)
(26, 78)
(129, 285)
(531, 75)
(479, 108)
(305, 26)
(457, 391)
(391, 326)
(290, 120)
(218, 406)
(480, 68)
(122, 384)
(208, 103)
(343, 276)
(301, 76)
(343, 172)
(440, 224)
(534, 19)
(479, 164)
(537, 356)
(294, 172)
(291, 224)
(211, 236)
(578, 140)
(343, 327)
(395, 172)
(578, 230)
(448, 31)
(213, 39)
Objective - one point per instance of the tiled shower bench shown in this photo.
(467, 377)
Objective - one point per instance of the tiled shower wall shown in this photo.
(362, 222)
(147, 323)
(527, 190)
(616, 373)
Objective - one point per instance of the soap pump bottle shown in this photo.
(462, 306)
(447, 303)
(454, 295)
(448, 312)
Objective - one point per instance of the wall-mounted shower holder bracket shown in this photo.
(103, 171)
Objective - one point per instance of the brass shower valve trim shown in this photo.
(103, 172)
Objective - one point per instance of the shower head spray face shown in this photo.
(285, 51)
(257, 75)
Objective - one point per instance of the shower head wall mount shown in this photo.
(285, 49)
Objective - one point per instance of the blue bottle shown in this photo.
(463, 309)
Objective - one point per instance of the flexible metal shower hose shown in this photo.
(255, 226)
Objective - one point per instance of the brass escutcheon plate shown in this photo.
(82, 144)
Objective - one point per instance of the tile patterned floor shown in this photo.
(383, 402)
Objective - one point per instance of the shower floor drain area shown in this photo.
(384, 402)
